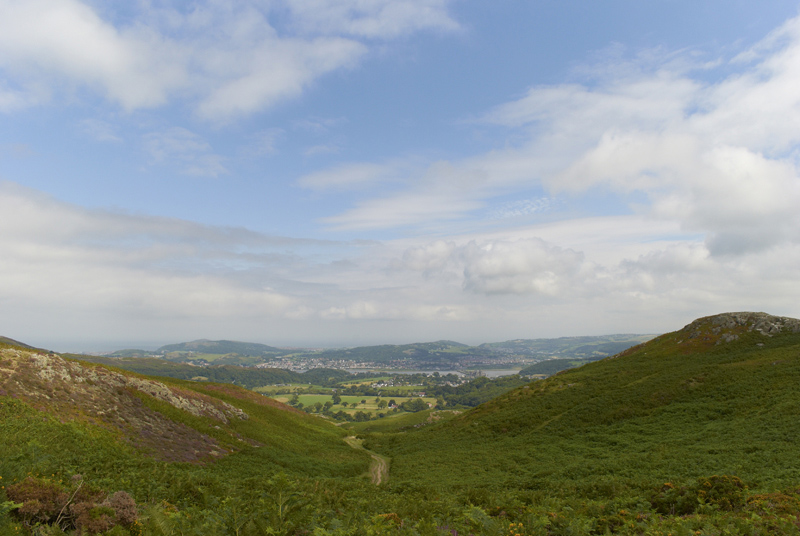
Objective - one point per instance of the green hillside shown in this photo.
(692, 433)
(552, 366)
(568, 347)
(158, 439)
(204, 346)
(718, 396)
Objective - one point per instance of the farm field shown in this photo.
(370, 404)
(272, 390)
(402, 421)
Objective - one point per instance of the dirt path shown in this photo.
(378, 468)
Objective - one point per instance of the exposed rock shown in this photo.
(73, 390)
(727, 327)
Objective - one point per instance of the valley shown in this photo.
(691, 432)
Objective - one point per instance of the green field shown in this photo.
(371, 406)
(271, 390)
(401, 421)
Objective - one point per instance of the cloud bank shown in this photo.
(718, 157)
(229, 58)
(648, 191)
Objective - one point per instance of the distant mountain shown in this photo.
(204, 346)
(442, 354)
(717, 397)
(12, 342)
(131, 352)
(429, 354)
(247, 377)
(568, 347)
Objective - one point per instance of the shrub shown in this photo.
(42, 500)
(725, 492)
(82, 507)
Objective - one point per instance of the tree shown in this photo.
(336, 398)
(382, 404)
(414, 405)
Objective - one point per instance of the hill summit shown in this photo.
(727, 327)
(718, 396)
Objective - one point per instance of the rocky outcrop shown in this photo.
(51, 367)
(727, 327)
(73, 390)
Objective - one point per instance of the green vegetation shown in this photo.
(691, 433)
(552, 366)
(244, 376)
(425, 356)
(569, 347)
(204, 346)
(671, 410)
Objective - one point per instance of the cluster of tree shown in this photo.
(552, 366)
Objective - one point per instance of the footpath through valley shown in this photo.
(379, 467)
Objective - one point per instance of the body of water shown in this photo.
(489, 373)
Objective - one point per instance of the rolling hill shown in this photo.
(426, 356)
(693, 432)
(247, 377)
(718, 396)
(587, 347)
(143, 420)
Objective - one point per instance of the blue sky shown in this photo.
(349, 172)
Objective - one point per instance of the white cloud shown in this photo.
(497, 266)
(264, 143)
(99, 130)
(403, 210)
(519, 267)
(104, 274)
(271, 71)
(430, 257)
(719, 158)
(321, 149)
(61, 258)
(522, 207)
(348, 176)
(192, 153)
(67, 38)
(12, 100)
(371, 18)
(226, 57)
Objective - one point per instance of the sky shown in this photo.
(352, 172)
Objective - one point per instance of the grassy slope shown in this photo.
(662, 411)
(65, 434)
